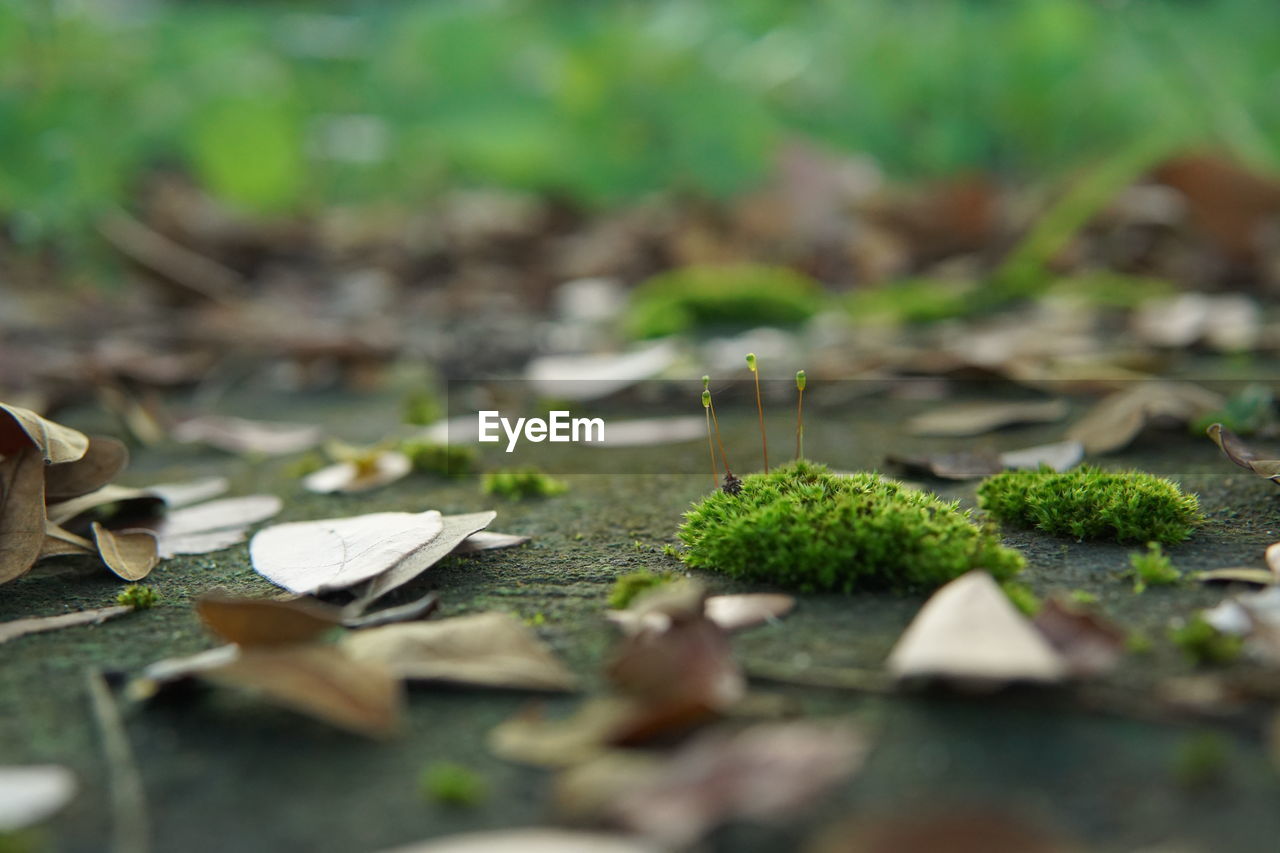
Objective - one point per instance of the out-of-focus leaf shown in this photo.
(532, 840)
(651, 432)
(589, 377)
(39, 624)
(32, 793)
(241, 435)
(485, 649)
(178, 495)
(455, 529)
(21, 511)
(486, 540)
(64, 511)
(131, 554)
(1238, 574)
(1089, 644)
(729, 612)
(959, 832)
(959, 465)
(214, 525)
(1118, 419)
(384, 468)
(57, 444)
(1243, 455)
(968, 419)
(1060, 456)
(101, 463)
(263, 621)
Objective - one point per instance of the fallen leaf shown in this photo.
(213, 525)
(532, 840)
(967, 419)
(589, 377)
(532, 739)
(729, 612)
(309, 557)
(1238, 574)
(959, 465)
(22, 428)
(1227, 323)
(1060, 456)
(384, 468)
(21, 511)
(455, 529)
(485, 649)
(485, 540)
(1272, 556)
(651, 432)
(131, 554)
(970, 633)
(38, 624)
(420, 609)
(241, 435)
(32, 793)
(263, 621)
(178, 495)
(1243, 455)
(1087, 643)
(1118, 419)
(101, 463)
(64, 511)
(60, 543)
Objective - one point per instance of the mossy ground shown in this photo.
(226, 773)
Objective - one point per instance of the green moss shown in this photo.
(1083, 596)
(1090, 503)
(522, 483)
(629, 586)
(138, 597)
(421, 408)
(915, 301)
(729, 297)
(1204, 644)
(1022, 597)
(447, 460)
(802, 526)
(1152, 568)
(452, 784)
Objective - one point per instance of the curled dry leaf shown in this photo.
(485, 649)
(213, 525)
(39, 624)
(309, 557)
(241, 435)
(976, 464)
(486, 540)
(969, 633)
(32, 793)
(968, 419)
(178, 495)
(383, 468)
(1089, 644)
(1117, 420)
(455, 529)
(532, 840)
(56, 443)
(1240, 453)
(131, 554)
(101, 463)
(265, 621)
(60, 543)
(1238, 574)
(22, 533)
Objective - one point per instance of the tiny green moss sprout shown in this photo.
(721, 298)
(138, 597)
(1152, 568)
(447, 460)
(1201, 760)
(1021, 596)
(631, 586)
(453, 784)
(1083, 596)
(522, 484)
(1205, 645)
(1090, 503)
(803, 527)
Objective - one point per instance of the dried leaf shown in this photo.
(263, 621)
(960, 465)
(970, 633)
(485, 649)
(39, 624)
(214, 525)
(1089, 644)
(413, 610)
(532, 840)
(729, 612)
(1243, 455)
(590, 377)
(455, 530)
(21, 512)
(968, 419)
(101, 463)
(1060, 456)
(1238, 574)
(131, 554)
(64, 511)
(32, 793)
(60, 543)
(486, 540)
(23, 428)
(530, 738)
(1118, 419)
(309, 557)
(241, 435)
(178, 495)
(387, 467)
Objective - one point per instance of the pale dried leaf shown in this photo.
(39, 624)
(131, 554)
(486, 649)
(101, 463)
(389, 466)
(958, 465)
(60, 543)
(532, 840)
(532, 739)
(308, 557)
(1273, 558)
(1238, 574)
(967, 419)
(408, 612)
(486, 540)
(241, 435)
(21, 512)
(1240, 453)
(178, 495)
(1089, 644)
(455, 530)
(32, 793)
(264, 621)
(64, 511)
(737, 612)
(589, 377)
(1060, 456)
(214, 525)
(970, 633)
(1118, 419)
(57, 444)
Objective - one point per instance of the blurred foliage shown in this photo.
(279, 106)
(721, 299)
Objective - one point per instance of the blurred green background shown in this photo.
(281, 107)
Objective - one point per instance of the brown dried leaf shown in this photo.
(241, 435)
(1088, 643)
(21, 511)
(131, 554)
(39, 624)
(101, 463)
(485, 649)
(1240, 453)
(59, 542)
(1118, 419)
(967, 419)
(263, 621)
(57, 444)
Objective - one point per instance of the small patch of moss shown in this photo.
(630, 586)
(728, 297)
(1152, 568)
(138, 597)
(1083, 596)
(522, 483)
(1204, 644)
(452, 784)
(421, 408)
(1138, 643)
(1201, 760)
(1022, 597)
(1090, 503)
(447, 460)
(804, 527)
(912, 302)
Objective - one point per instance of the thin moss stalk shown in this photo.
(800, 383)
(754, 367)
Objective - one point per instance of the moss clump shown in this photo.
(630, 586)
(522, 483)
(453, 784)
(138, 597)
(1204, 644)
(802, 526)
(1089, 503)
(912, 302)
(730, 297)
(1152, 568)
(447, 460)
